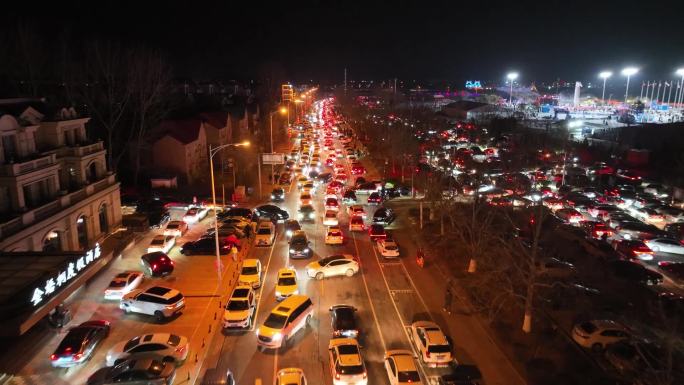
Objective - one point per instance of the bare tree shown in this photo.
(472, 227)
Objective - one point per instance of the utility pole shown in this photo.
(395, 86)
(345, 80)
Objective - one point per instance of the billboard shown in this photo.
(272, 158)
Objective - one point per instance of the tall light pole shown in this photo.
(282, 111)
(604, 75)
(629, 71)
(212, 152)
(681, 73)
(511, 77)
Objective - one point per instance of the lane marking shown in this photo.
(263, 284)
(370, 301)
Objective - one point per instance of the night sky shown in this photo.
(425, 40)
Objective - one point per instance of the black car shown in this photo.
(306, 213)
(158, 218)
(325, 177)
(139, 371)
(272, 212)
(241, 212)
(344, 321)
(299, 245)
(213, 376)
(635, 272)
(676, 230)
(79, 344)
(384, 216)
(375, 198)
(359, 181)
(157, 264)
(278, 194)
(349, 197)
(462, 375)
(205, 246)
(291, 225)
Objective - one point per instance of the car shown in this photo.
(272, 212)
(285, 320)
(356, 224)
(346, 363)
(569, 215)
(164, 347)
(163, 243)
(673, 270)
(250, 275)
(157, 264)
(331, 204)
(334, 236)
(648, 215)
(286, 178)
(291, 225)
(431, 343)
(306, 213)
(330, 218)
(265, 234)
(637, 359)
(628, 176)
(357, 211)
(309, 187)
(122, 284)
(134, 372)
(325, 177)
(79, 343)
(666, 245)
(334, 265)
(596, 230)
(401, 368)
(176, 228)
(158, 301)
(388, 248)
(238, 212)
(206, 246)
(598, 334)
(357, 169)
(344, 322)
(194, 215)
(241, 308)
(300, 245)
(290, 376)
(375, 198)
(384, 216)
(633, 249)
(634, 272)
(278, 194)
(286, 283)
(349, 197)
(377, 232)
(305, 199)
(555, 268)
(301, 180)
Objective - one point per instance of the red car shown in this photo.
(329, 162)
(377, 232)
(358, 170)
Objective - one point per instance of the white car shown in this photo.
(341, 264)
(286, 284)
(334, 236)
(330, 218)
(388, 248)
(250, 275)
(163, 243)
(290, 376)
(598, 334)
(305, 198)
(240, 309)
(194, 215)
(158, 301)
(356, 224)
(122, 284)
(665, 245)
(161, 346)
(401, 368)
(357, 211)
(346, 363)
(176, 228)
(431, 343)
(265, 234)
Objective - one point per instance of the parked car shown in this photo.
(241, 308)
(633, 249)
(665, 245)
(206, 246)
(272, 212)
(164, 347)
(122, 284)
(79, 343)
(598, 334)
(176, 228)
(157, 264)
(430, 343)
(401, 368)
(634, 272)
(158, 301)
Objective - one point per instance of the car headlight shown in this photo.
(277, 337)
(306, 249)
(277, 293)
(311, 215)
(272, 196)
(292, 250)
(288, 233)
(300, 215)
(296, 292)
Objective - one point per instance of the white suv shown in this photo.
(162, 346)
(250, 275)
(158, 301)
(346, 363)
(431, 343)
(239, 312)
(265, 235)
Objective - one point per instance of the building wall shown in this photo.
(169, 154)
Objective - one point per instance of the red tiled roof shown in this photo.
(184, 130)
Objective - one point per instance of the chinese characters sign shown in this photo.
(63, 276)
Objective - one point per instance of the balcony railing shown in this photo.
(82, 149)
(28, 218)
(22, 167)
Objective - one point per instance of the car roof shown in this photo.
(286, 272)
(607, 324)
(403, 359)
(290, 375)
(250, 262)
(162, 291)
(241, 291)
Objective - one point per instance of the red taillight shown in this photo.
(427, 354)
(78, 356)
(154, 266)
(53, 357)
(366, 375)
(181, 349)
(337, 376)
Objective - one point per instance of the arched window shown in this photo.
(82, 231)
(52, 242)
(104, 225)
(92, 172)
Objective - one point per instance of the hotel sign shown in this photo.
(62, 277)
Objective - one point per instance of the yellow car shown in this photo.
(286, 284)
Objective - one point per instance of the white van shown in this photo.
(291, 315)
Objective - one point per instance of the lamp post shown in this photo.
(212, 152)
(629, 71)
(282, 110)
(511, 77)
(680, 72)
(604, 75)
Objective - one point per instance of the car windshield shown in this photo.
(157, 241)
(334, 233)
(117, 284)
(237, 305)
(264, 231)
(286, 281)
(391, 246)
(172, 226)
(249, 270)
(275, 321)
(298, 240)
(438, 349)
(327, 260)
(410, 376)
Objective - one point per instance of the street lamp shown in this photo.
(212, 152)
(681, 86)
(511, 77)
(629, 71)
(604, 75)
